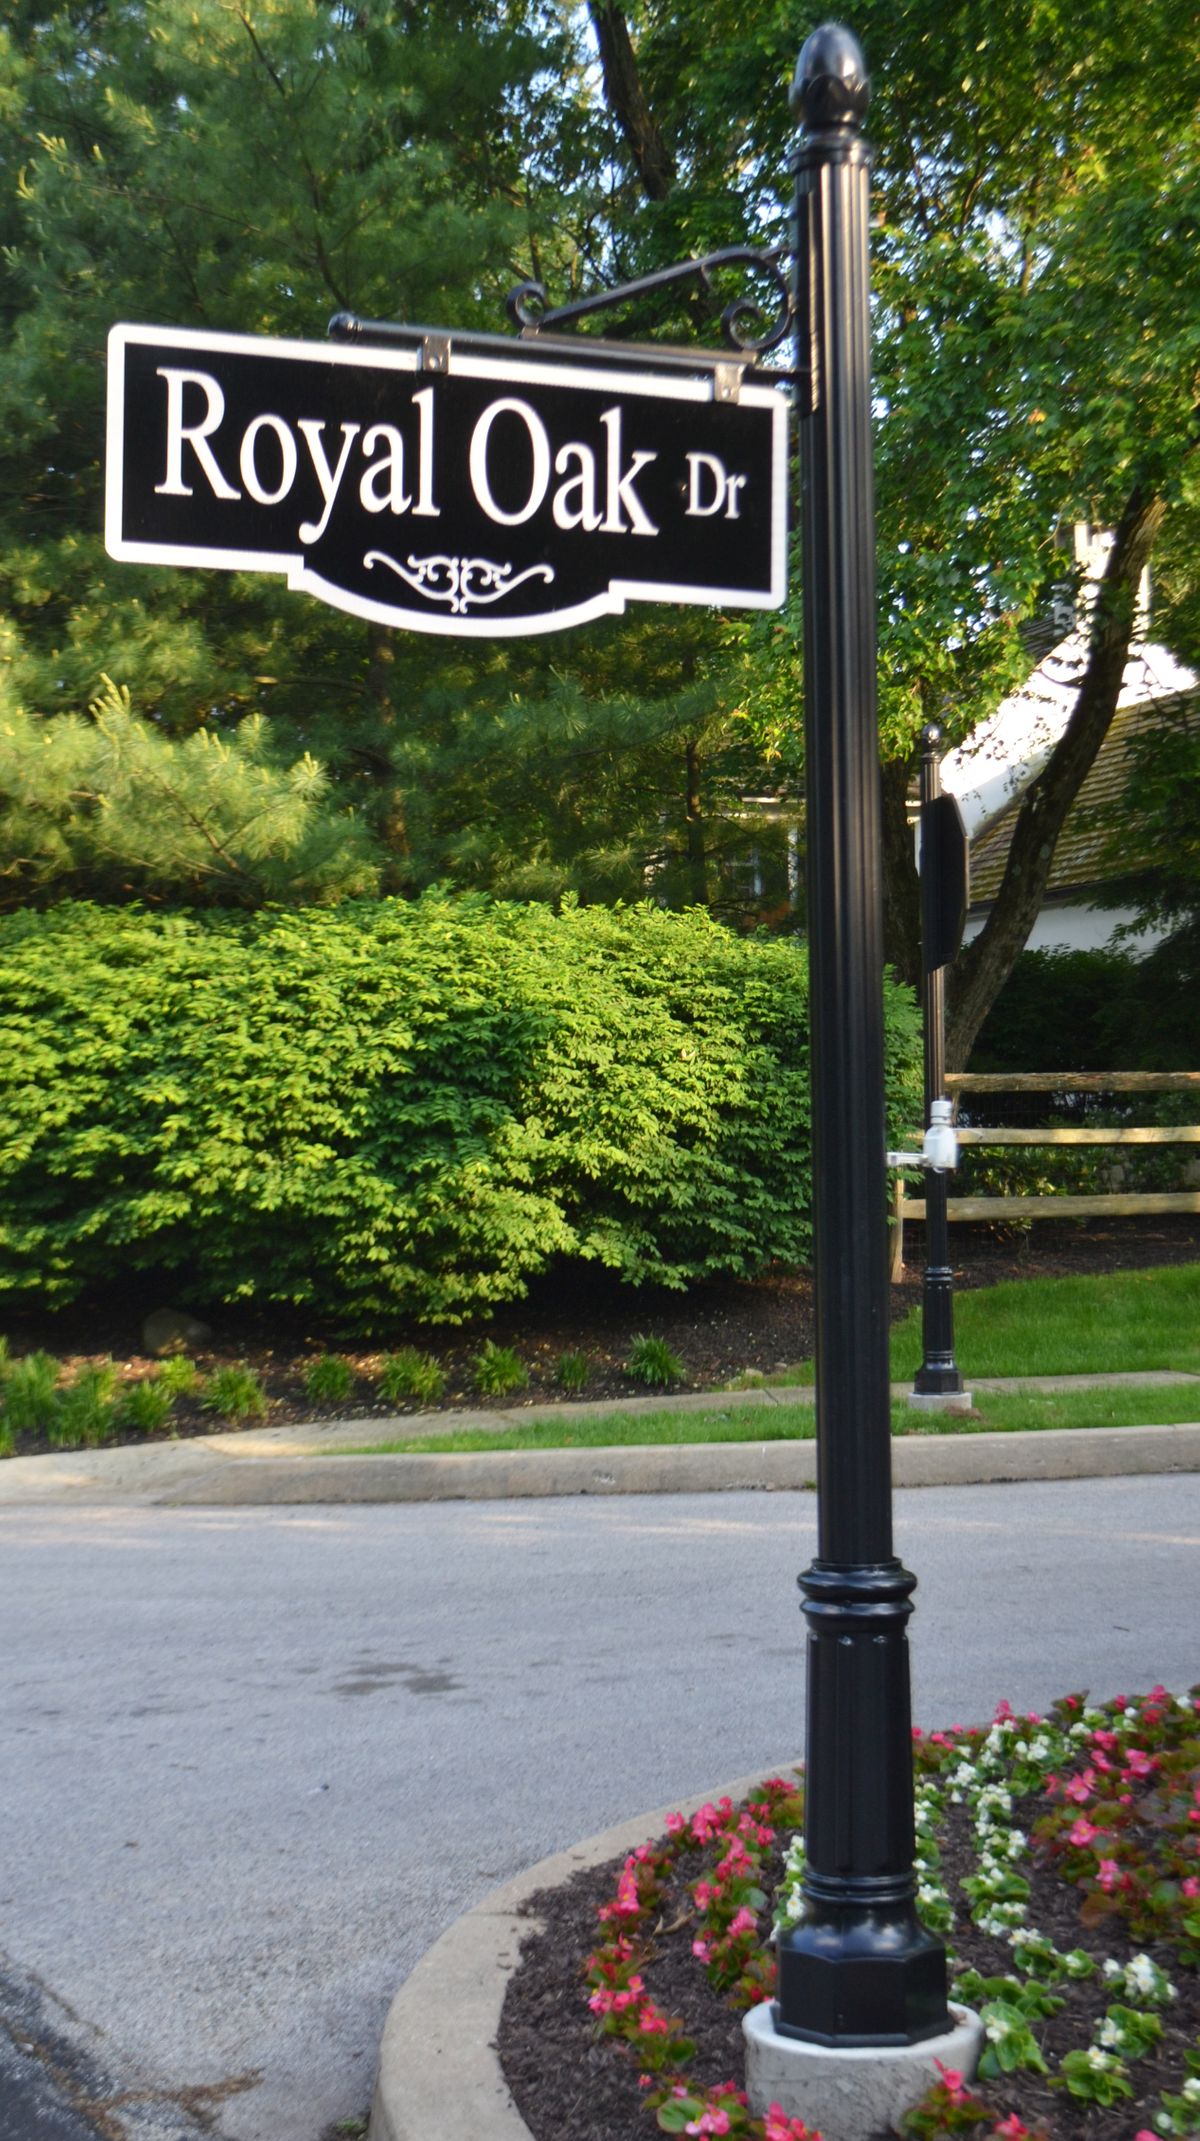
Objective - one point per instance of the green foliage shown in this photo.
(403, 1108)
(652, 1361)
(31, 1394)
(235, 1393)
(145, 1407)
(1096, 2077)
(499, 1371)
(1097, 1010)
(110, 808)
(329, 1380)
(410, 1374)
(85, 1411)
(178, 1375)
(572, 1371)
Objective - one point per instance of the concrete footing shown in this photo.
(853, 2093)
(941, 1400)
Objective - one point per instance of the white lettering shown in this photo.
(425, 506)
(194, 435)
(698, 465)
(585, 513)
(726, 489)
(620, 487)
(287, 457)
(395, 498)
(329, 479)
(539, 474)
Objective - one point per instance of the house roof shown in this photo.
(989, 772)
(1079, 854)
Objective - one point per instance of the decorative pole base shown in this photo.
(848, 2093)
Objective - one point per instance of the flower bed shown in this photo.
(1059, 1858)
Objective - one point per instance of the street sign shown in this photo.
(475, 489)
(945, 875)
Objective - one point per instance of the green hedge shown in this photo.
(401, 1108)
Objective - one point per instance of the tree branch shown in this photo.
(626, 99)
(982, 970)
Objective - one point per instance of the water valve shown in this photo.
(939, 1152)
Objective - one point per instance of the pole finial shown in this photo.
(831, 87)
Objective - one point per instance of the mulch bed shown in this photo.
(718, 1331)
(567, 2080)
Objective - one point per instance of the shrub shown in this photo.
(235, 1393)
(145, 1407)
(178, 1375)
(652, 1361)
(409, 1374)
(403, 1108)
(572, 1371)
(329, 1380)
(31, 1394)
(85, 1413)
(498, 1370)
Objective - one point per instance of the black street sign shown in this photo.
(945, 882)
(469, 490)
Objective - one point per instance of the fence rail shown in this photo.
(1109, 1205)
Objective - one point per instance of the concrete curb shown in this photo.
(303, 1463)
(695, 1468)
(439, 2075)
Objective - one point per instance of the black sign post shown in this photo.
(858, 1969)
(943, 914)
(454, 484)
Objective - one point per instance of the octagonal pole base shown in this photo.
(848, 2092)
(870, 1975)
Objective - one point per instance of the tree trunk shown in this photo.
(982, 970)
(901, 883)
(697, 860)
(626, 99)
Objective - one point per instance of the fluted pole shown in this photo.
(859, 1969)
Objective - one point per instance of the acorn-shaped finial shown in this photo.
(831, 87)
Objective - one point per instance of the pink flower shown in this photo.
(743, 1922)
(953, 2081)
(651, 2022)
(1011, 2128)
(1190, 1888)
(1108, 1874)
(1080, 1788)
(1083, 1833)
(1139, 1764)
(701, 1949)
(709, 2122)
(675, 1823)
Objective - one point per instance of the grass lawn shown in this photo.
(1002, 1412)
(1103, 1325)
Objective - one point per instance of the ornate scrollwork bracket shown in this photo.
(747, 324)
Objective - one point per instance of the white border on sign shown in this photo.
(597, 378)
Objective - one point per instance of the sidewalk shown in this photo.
(300, 1464)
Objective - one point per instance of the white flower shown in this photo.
(1101, 2061)
(1111, 1968)
(1190, 2092)
(1110, 2035)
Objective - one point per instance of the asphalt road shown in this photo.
(254, 1761)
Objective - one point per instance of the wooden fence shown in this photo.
(1111, 1204)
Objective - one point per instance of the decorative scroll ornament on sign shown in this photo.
(458, 581)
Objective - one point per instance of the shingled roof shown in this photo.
(1079, 857)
